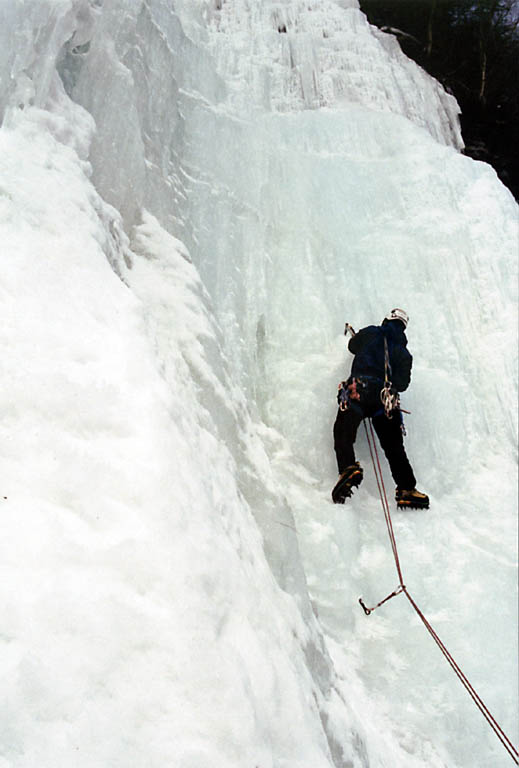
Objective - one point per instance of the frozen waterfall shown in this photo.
(195, 195)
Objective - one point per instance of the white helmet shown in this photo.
(398, 314)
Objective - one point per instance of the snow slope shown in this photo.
(193, 201)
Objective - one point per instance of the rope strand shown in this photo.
(505, 741)
(383, 498)
(466, 683)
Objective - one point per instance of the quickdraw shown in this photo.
(397, 591)
(389, 398)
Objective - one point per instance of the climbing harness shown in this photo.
(505, 741)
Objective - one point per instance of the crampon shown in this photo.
(411, 499)
(349, 479)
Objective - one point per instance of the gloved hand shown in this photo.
(342, 396)
(352, 390)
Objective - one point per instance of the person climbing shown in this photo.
(381, 369)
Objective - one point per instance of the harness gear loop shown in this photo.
(347, 392)
(342, 396)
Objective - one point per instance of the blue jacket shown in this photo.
(368, 347)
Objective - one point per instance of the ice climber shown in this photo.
(380, 370)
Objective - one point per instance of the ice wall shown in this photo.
(273, 57)
(201, 144)
(311, 171)
(142, 623)
(133, 589)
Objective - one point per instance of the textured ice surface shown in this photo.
(180, 254)
(298, 55)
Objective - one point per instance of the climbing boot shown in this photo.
(411, 499)
(350, 478)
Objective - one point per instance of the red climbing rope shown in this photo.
(505, 741)
(383, 497)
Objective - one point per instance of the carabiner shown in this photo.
(366, 610)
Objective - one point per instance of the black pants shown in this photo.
(389, 433)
